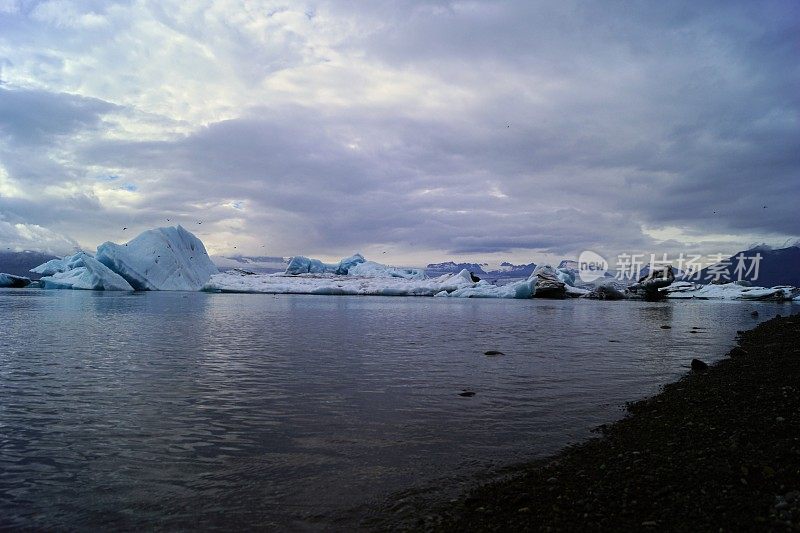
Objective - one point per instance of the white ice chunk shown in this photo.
(730, 291)
(55, 266)
(519, 290)
(161, 259)
(85, 272)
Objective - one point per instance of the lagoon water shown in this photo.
(185, 410)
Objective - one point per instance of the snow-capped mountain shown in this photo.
(776, 267)
(434, 270)
(258, 264)
(20, 263)
(505, 271)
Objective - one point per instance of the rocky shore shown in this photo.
(718, 450)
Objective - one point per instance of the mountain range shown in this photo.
(505, 271)
(779, 266)
(20, 263)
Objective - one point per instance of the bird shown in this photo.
(167, 220)
(123, 229)
(765, 207)
(200, 222)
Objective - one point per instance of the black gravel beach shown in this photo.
(717, 451)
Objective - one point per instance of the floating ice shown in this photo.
(349, 262)
(161, 259)
(10, 280)
(303, 265)
(370, 269)
(607, 289)
(730, 291)
(548, 283)
(483, 289)
(81, 271)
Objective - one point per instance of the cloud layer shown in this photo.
(427, 130)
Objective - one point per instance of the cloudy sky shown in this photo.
(428, 130)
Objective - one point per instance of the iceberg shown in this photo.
(303, 265)
(548, 283)
(483, 289)
(370, 269)
(80, 271)
(161, 259)
(651, 284)
(730, 291)
(349, 262)
(607, 289)
(12, 281)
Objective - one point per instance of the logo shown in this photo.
(591, 266)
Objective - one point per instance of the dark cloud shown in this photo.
(553, 128)
(33, 118)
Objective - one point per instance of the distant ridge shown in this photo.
(20, 263)
(506, 270)
(777, 267)
(258, 264)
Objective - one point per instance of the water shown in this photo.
(179, 410)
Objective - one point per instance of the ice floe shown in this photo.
(730, 291)
(334, 284)
(10, 280)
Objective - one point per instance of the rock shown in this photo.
(467, 394)
(754, 314)
(474, 278)
(493, 352)
(738, 351)
(666, 327)
(698, 365)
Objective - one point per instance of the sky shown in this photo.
(412, 131)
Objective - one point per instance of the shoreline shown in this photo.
(716, 450)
